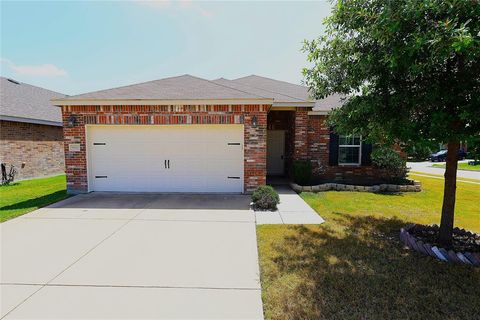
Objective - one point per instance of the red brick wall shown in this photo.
(318, 149)
(254, 144)
(38, 146)
(255, 154)
(300, 141)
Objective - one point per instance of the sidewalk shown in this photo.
(291, 210)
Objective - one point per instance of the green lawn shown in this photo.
(24, 196)
(461, 166)
(354, 267)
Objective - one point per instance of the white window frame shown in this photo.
(359, 146)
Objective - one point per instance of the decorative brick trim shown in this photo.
(163, 119)
(166, 109)
(415, 187)
(470, 258)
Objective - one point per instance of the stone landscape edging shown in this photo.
(415, 187)
(470, 258)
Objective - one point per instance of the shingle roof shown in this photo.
(327, 104)
(275, 86)
(188, 87)
(285, 92)
(26, 103)
(185, 87)
(278, 97)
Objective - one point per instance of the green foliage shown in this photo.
(302, 172)
(410, 68)
(419, 152)
(410, 71)
(265, 198)
(474, 148)
(395, 166)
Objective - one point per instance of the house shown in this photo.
(31, 136)
(187, 134)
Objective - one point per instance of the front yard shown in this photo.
(24, 196)
(354, 267)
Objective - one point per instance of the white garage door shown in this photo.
(172, 158)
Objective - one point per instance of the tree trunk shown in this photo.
(449, 192)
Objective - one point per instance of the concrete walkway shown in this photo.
(132, 256)
(426, 167)
(291, 210)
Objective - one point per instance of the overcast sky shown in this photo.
(76, 47)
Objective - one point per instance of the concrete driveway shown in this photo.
(132, 256)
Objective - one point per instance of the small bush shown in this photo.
(394, 165)
(302, 172)
(265, 198)
(419, 153)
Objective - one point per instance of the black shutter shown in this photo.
(333, 149)
(366, 154)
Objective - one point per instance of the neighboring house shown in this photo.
(31, 136)
(187, 134)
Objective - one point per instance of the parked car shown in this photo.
(441, 155)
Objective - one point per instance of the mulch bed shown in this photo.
(462, 241)
(465, 248)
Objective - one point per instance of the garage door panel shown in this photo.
(203, 158)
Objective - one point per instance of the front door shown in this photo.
(275, 152)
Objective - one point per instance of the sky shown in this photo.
(76, 47)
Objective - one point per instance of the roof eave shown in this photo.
(319, 113)
(306, 104)
(80, 102)
(29, 120)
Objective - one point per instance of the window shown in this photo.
(349, 150)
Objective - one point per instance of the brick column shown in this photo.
(255, 146)
(318, 137)
(75, 161)
(300, 138)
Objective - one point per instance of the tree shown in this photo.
(411, 72)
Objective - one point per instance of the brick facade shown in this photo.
(255, 147)
(307, 138)
(38, 146)
(318, 153)
(300, 151)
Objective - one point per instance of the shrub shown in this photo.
(419, 153)
(265, 198)
(302, 172)
(474, 148)
(395, 167)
